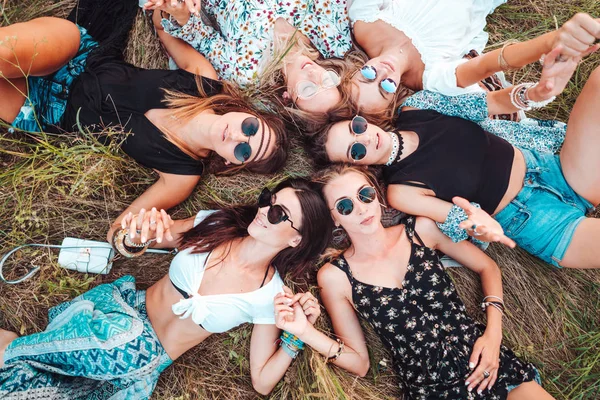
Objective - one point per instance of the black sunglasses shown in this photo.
(357, 126)
(243, 151)
(345, 205)
(276, 213)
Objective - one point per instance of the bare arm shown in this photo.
(418, 201)
(168, 191)
(185, 56)
(268, 362)
(576, 37)
(335, 293)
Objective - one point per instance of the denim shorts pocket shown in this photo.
(515, 220)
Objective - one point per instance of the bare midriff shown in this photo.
(515, 184)
(176, 335)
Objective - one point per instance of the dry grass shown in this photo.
(52, 187)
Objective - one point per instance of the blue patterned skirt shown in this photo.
(100, 345)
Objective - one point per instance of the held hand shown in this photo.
(180, 10)
(555, 75)
(578, 36)
(289, 314)
(148, 225)
(310, 306)
(481, 225)
(485, 359)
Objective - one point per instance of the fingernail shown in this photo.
(479, 391)
(159, 240)
(467, 383)
(143, 239)
(471, 365)
(469, 389)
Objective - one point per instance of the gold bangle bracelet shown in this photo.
(119, 245)
(502, 63)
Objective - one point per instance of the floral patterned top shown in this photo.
(246, 28)
(425, 325)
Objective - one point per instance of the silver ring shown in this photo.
(138, 231)
(152, 222)
(486, 374)
(561, 58)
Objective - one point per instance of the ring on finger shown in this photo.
(486, 374)
(138, 231)
(561, 58)
(152, 223)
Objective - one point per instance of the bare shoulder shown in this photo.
(428, 231)
(329, 275)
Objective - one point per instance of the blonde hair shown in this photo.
(231, 99)
(323, 178)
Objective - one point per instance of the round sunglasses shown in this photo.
(345, 205)
(243, 151)
(306, 90)
(276, 213)
(388, 85)
(357, 151)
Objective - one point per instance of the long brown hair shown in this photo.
(232, 99)
(322, 178)
(228, 224)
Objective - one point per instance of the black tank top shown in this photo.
(455, 157)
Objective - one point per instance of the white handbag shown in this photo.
(88, 256)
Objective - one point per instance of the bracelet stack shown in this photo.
(493, 301)
(338, 353)
(123, 244)
(520, 99)
(290, 344)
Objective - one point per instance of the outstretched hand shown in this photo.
(481, 225)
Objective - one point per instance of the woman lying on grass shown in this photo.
(252, 35)
(538, 199)
(425, 50)
(170, 121)
(115, 340)
(394, 279)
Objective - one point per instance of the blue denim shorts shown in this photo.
(537, 378)
(47, 95)
(546, 212)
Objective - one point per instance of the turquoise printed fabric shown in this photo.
(47, 95)
(100, 345)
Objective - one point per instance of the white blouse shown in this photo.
(443, 31)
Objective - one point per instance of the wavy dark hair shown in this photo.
(233, 99)
(230, 223)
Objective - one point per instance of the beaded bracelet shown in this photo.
(292, 340)
(499, 305)
(338, 352)
(288, 350)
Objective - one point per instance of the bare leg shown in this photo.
(583, 252)
(579, 155)
(529, 391)
(37, 47)
(11, 98)
(5, 338)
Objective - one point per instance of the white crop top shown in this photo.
(221, 312)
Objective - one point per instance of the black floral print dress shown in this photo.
(427, 329)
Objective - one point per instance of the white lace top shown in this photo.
(443, 31)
